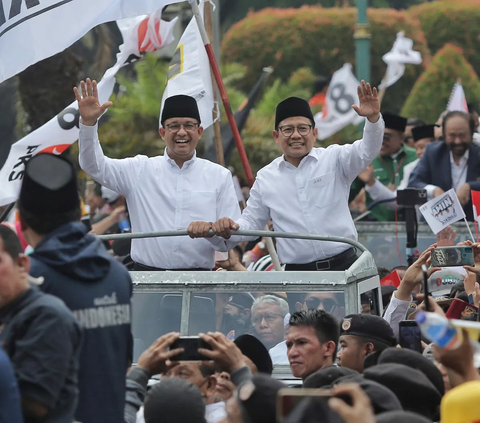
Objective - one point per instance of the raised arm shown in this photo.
(353, 158)
(117, 175)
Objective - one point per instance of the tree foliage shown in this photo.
(451, 22)
(322, 40)
(429, 96)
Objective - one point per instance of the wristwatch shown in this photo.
(261, 245)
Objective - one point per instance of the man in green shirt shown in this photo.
(388, 165)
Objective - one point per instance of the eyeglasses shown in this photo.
(313, 302)
(288, 130)
(175, 127)
(269, 317)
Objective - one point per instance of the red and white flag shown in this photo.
(457, 101)
(140, 34)
(476, 205)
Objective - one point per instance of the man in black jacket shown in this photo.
(452, 163)
(42, 339)
(78, 269)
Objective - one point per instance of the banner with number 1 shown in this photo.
(337, 111)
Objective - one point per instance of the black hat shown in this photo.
(413, 360)
(180, 106)
(415, 392)
(291, 107)
(253, 348)
(174, 400)
(258, 398)
(401, 417)
(370, 327)
(421, 132)
(310, 409)
(241, 300)
(398, 123)
(327, 376)
(382, 398)
(49, 186)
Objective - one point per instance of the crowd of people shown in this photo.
(67, 349)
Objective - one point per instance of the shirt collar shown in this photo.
(283, 162)
(187, 164)
(463, 159)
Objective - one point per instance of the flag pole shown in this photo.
(468, 227)
(216, 110)
(476, 230)
(223, 92)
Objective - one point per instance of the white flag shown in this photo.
(32, 30)
(59, 133)
(457, 101)
(337, 111)
(442, 211)
(402, 52)
(189, 73)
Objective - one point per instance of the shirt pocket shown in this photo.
(203, 206)
(321, 190)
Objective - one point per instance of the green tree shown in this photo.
(451, 22)
(429, 96)
(322, 40)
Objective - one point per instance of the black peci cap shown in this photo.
(49, 186)
(421, 132)
(292, 107)
(382, 398)
(415, 392)
(253, 348)
(180, 106)
(398, 123)
(413, 360)
(369, 327)
(327, 376)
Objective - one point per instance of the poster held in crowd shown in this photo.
(140, 34)
(337, 112)
(443, 211)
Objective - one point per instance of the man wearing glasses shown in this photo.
(177, 190)
(306, 190)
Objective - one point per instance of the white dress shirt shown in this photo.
(279, 354)
(162, 197)
(311, 198)
(396, 312)
(379, 191)
(458, 172)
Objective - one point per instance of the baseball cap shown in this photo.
(440, 283)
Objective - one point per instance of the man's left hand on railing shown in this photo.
(223, 227)
(199, 230)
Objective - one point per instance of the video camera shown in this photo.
(410, 197)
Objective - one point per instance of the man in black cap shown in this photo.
(78, 269)
(361, 335)
(306, 190)
(240, 304)
(42, 339)
(175, 191)
(388, 166)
